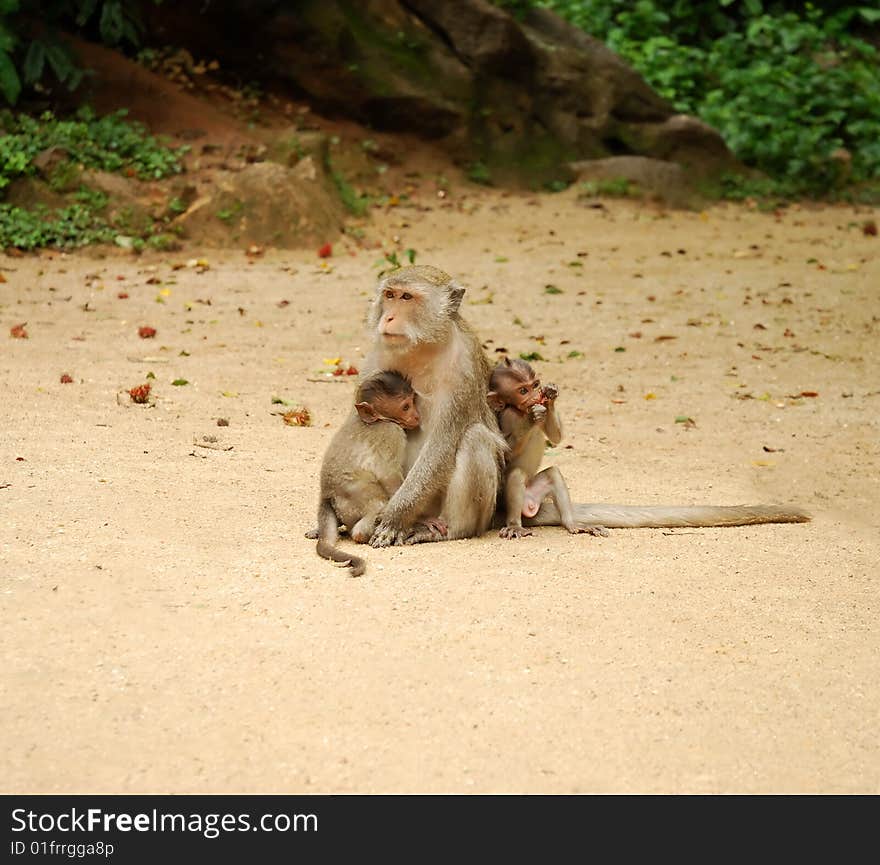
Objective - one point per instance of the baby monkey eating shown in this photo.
(527, 416)
(363, 466)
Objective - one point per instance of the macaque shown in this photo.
(454, 459)
(527, 416)
(363, 466)
(453, 462)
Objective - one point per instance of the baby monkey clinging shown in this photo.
(527, 416)
(363, 465)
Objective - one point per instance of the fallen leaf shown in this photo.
(869, 228)
(66, 379)
(664, 338)
(254, 250)
(146, 332)
(18, 332)
(123, 295)
(650, 396)
(297, 417)
(325, 251)
(179, 382)
(140, 394)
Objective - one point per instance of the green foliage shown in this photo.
(109, 143)
(478, 172)
(614, 187)
(29, 43)
(75, 225)
(788, 85)
(356, 203)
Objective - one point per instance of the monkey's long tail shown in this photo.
(328, 535)
(661, 517)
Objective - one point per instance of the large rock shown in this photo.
(266, 203)
(524, 97)
(656, 179)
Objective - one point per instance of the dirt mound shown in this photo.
(266, 204)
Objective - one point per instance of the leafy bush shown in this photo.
(789, 86)
(109, 143)
(75, 225)
(29, 45)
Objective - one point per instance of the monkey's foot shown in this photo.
(388, 536)
(436, 524)
(429, 530)
(312, 534)
(595, 531)
(511, 532)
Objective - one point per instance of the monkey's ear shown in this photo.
(456, 293)
(366, 412)
(495, 401)
(507, 361)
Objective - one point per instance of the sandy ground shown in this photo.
(167, 628)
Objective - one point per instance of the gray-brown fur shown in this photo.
(455, 457)
(528, 418)
(362, 469)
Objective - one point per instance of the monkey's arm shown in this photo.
(552, 424)
(515, 429)
(430, 473)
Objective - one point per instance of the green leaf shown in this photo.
(34, 61)
(10, 84)
(112, 22)
(179, 382)
(86, 10)
(60, 60)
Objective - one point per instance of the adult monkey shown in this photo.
(454, 459)
(456, 456)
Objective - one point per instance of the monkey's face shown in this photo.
(407, 413)
(413, 306)
(400, 409)
(514, 384)
(400, 309)
(521, 393)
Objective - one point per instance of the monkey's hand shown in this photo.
(549, 393)
(538, 414)
(387, 535)
(312, 534)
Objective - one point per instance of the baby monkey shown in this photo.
(363, 466)
(527, 416)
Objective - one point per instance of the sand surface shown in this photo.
(167, 628)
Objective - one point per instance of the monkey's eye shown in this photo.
(389, 293)
(406, 407)
(406, 296)
(523, 390)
